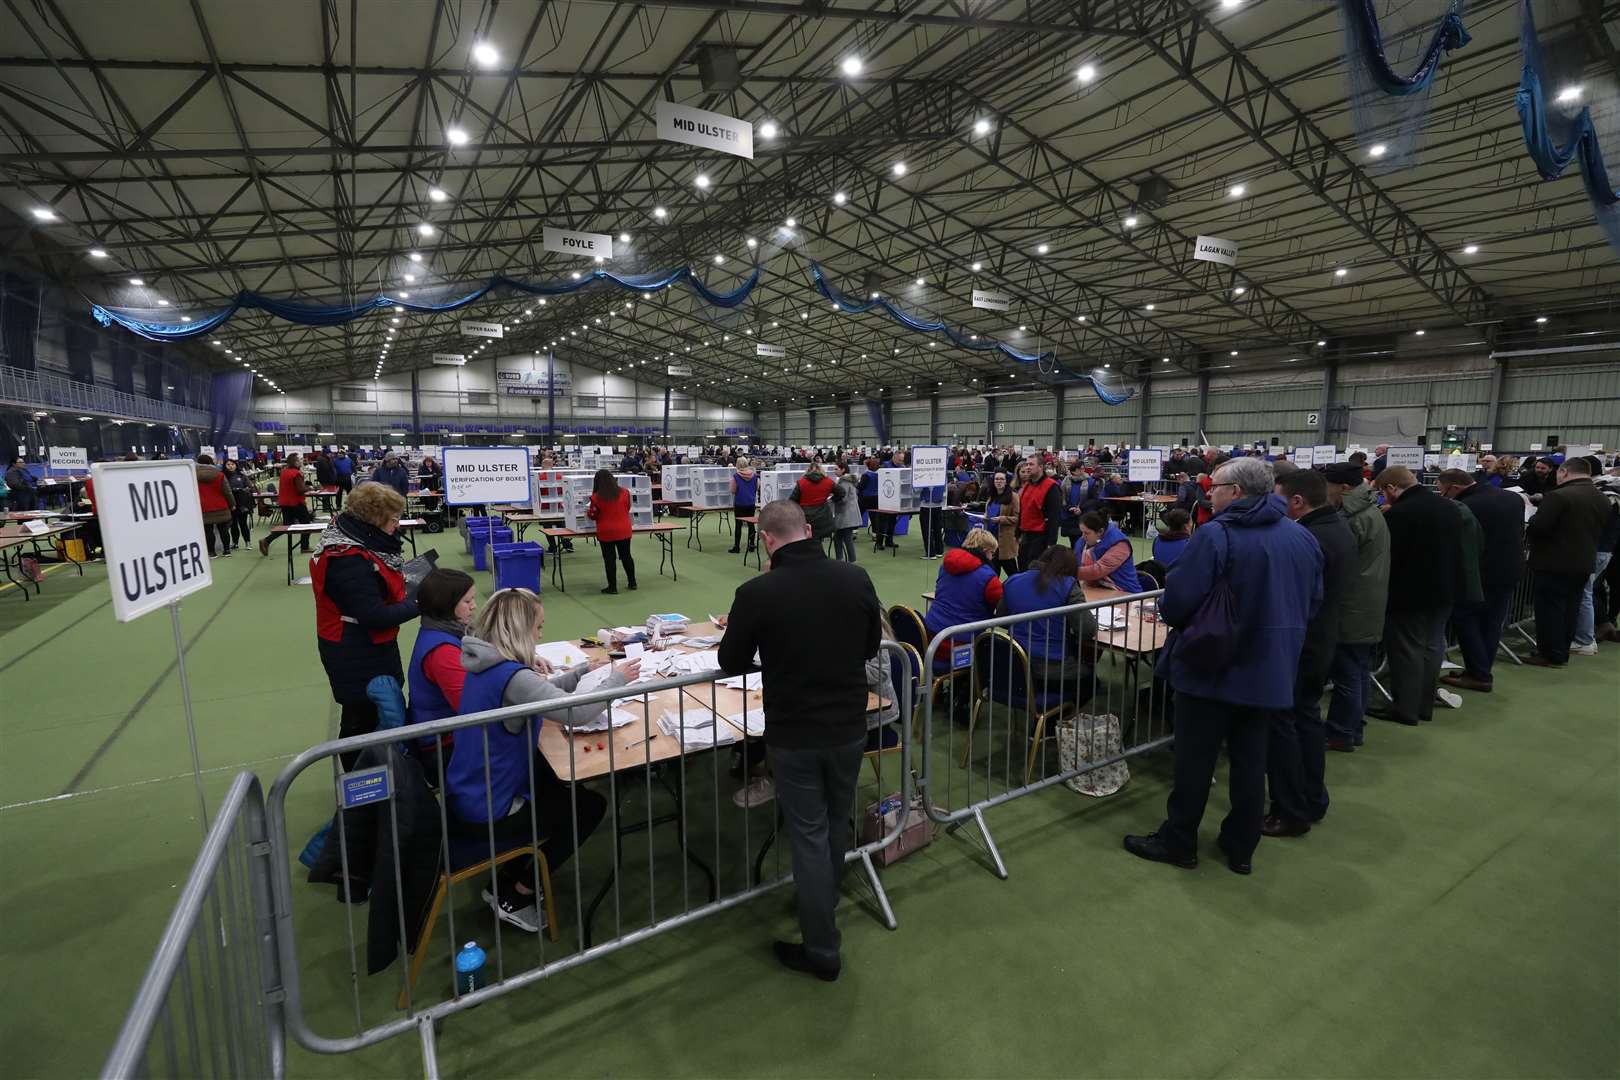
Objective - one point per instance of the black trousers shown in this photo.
(345, 484)
(355, 718)
(738, 513)
(1202, 725)
(223, 531)
(241, 521)
(1415, 644)
(1296, 762)
(933, 530)
(565, 817)
(298, 515)
(622, 547)
(1479, 630)
(1558, 602)
(815, 790)
(1030, 546)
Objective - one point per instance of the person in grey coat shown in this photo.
(846, 513)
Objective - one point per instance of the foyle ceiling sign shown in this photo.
(564, 242)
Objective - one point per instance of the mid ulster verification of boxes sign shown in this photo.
(157, 571)
(485, 467)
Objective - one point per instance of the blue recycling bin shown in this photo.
(471, 526)
(499, 534)
(517, 566)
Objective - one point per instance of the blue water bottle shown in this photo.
(470, 968)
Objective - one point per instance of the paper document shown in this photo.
(1109, 618)
(751, 681)
(696, 728)
(560, 654)
(756, 721)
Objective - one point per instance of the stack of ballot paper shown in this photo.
(751, 681)
(696, 727)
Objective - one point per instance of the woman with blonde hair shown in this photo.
(967, 590)
(488, 783)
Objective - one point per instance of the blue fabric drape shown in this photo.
(1448, 35)
(1550, 158)
(229, 398)
(335, 315)
(874, 413)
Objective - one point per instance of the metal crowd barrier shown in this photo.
(210, 1004)
(990, 718)
(671, 788)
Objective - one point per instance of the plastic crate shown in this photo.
(500, 534)
(517, 566)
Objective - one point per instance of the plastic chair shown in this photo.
(441, 892)
(909, 629)
(1148, 581)
(1014, 686)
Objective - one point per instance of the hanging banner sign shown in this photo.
(928, 466)
(564, 242)
(710, 130)
(450, 359)
(680, 369)
(777, 351)
(993, 301)
(69, 459)
(1144, 466)
(535, 384)
(1216, 250)
(486, 474)
(1410, 457)
(482, 329)
(152, 529)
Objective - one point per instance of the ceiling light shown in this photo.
(1340, 272)
(702, 181)
(44, 213)
(576, 275)
(1378, 150)
(1130, 222)
(851, 65)
(437, 194)
(752, 243)
(1236, 191)
(898, 168)
(624, 238)
(456, 136)
(1020, 329)
(1164, 359)
(1233, 352)
(718, 259)
(185, 318)
(790, 223)
(977, 267)
(1541, 318)
(1471, 249)
(485, 54)
(97, 253)
(415, 258)
(1147, 307)
(136, 281)
(1230, 5)
(919, 281)
(1568, 94)
(660, 213)
(768, 129)
(981, 126)
(1086, 74)
(163, 303)
(1239, 291)
(804, 315)
(840, 198)
(1321, 343)
(425, 229)
(1419, 333)
(1042, 249)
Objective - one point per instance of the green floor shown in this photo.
(1455, 916)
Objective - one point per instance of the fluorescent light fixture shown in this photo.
(1236, 191)
(43, 213)
(768, 129)
(485, 54)
(457, 136)
(1419, 333)
(852, 66)
(437, 194)
(1541, 318)
(136, 281)
(840, 198)
(97, 253)
(898, 168)
(1086, 74)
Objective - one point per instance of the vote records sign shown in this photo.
(486, 475)
(564, 242)
(69, 459)
(710, 130)
(1144, 466)
(152, 529)
(928, 466)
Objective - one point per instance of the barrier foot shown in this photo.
(430, 1050)
(877, 891)
(1511, 655)
(999, 868)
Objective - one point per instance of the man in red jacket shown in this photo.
(1040, 511)
(290, 497)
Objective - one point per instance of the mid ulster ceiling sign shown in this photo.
(994, 301)
(1214, 249)
(712, 131)
(577, 243)
(481, 329)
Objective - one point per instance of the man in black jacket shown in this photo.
(1297, 743)
(1425, 560)
(815, 708)
(1501, 556)
(1563, 540)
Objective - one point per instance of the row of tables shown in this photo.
(12, 547)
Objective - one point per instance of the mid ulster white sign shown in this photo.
(486, 474)
(928, 466)
(577, 243)
(482, 329)
(1214, 249)
(710, 130)
(1144, 466)
(994, 301)
(151, 526)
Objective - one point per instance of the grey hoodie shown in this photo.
(530, 686)
(1362, 621)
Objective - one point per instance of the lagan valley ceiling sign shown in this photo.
(712, 131)
(1214, 249)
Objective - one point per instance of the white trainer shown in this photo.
(757, 793)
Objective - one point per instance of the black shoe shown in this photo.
(1232, 864)
(1343, 746)
(1381, 713)
(1153, 848)
(611, 591)
(1277, 825)
(793, 958)
(632, 586)
(733, 551)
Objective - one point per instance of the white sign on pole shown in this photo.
(450, 359)
(928, 466)
(710, 130)
(486, 474)
(1410, 457)
(69, 459)
(1485, 446)
(777, 351)
(576, 243)
(1303, 456)
(482, 329)
(1144, 466)
(152, 529)
(233, 453)
(993, 301)
(1324, 454)
(1216, 250)
(209, 450)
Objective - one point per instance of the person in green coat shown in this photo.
(1361, 622)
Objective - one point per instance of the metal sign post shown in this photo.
(191, 723)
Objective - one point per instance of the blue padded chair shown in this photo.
(1001, 669)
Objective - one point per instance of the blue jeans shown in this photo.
(1479, 631)
(1351, 675)
(1585, 625)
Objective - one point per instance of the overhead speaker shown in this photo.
(872, 283)
(1152, 192)
(718, 68)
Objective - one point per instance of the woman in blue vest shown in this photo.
(1108, 555)
(744, 503)
(967, 590)
(502, 670)
(448, 600)
(1052, 642)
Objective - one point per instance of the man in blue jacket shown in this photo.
(1274, 570)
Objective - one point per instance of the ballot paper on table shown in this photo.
(1109, 618)
(561, 654)
(696, 727)
(593, 680)
(751, 681)
(755, 721)
(708, 641)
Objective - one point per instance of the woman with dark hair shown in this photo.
(610, 509)
(1053, 642)
(815, 492)
(448, 600)
(867, 489)
(242, 500)
(1108, 555)
(1001, 518)
(429, 478)
(217, 505)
